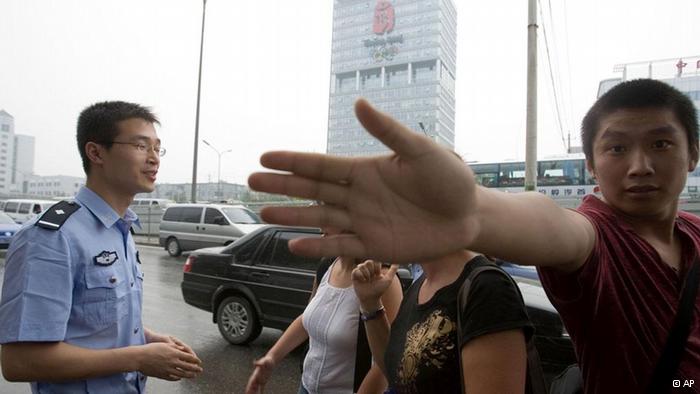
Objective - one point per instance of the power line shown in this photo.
(568, 65)
(556, 66)
(551, 77)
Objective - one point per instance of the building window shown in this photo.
(6, 127)
(396, 75)
(345, 82)
(371, 79)
(424, 71)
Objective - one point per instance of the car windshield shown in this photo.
(4, 219)
(241, 216)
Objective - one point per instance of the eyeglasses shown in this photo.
(143, 147)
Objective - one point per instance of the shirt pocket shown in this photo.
(104, 301)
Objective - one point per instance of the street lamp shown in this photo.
(196, 122)
(218, 188)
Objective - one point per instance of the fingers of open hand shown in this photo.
(315, 216)
(298, 186)
(392, 133)
(335, 245)
(309, 165)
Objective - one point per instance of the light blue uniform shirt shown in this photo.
(80, 284)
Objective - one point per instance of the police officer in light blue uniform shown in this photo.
(73, 284)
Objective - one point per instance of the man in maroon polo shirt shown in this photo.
(614, 268)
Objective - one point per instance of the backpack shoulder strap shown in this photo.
(670, 358)
(535, 382)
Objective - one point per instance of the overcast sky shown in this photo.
(267, 63)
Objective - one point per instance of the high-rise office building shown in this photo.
(400, 55)
(22, 161)
(7, 141)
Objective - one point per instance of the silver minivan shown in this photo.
(194, 226)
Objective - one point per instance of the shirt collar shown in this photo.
(103, 211)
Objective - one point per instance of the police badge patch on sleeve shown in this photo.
(105, 258)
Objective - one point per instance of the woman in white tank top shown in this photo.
(330, 322)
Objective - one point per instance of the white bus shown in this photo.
(566, 180)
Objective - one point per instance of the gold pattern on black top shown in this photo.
(428, 342)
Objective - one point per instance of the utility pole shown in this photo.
(196, 122)
(531, 116)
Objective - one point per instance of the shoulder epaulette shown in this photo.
(55, 216)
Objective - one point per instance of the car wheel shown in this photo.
(173, 247)
(237, 321)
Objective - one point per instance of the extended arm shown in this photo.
(419, 203)
(59, 361)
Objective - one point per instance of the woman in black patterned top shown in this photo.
(419, 352)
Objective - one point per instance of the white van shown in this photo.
(22, 210)
(194, 226)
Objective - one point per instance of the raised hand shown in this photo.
(258, 379)
(370, 282)
(415, 204)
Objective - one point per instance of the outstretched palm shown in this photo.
(411, 205)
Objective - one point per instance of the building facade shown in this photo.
(7, 140)
(212, 191)
(401, 56)
(22, 161)
(57, 186)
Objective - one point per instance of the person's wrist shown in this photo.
(366, 316)
(272, 358)
(369, 306)
(135, 356)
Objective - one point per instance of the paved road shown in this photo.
(226, 367)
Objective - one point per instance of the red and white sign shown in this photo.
(383, 17)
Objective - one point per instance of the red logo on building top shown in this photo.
(383, 17)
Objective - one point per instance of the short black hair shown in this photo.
(98, 123)
(636, 94)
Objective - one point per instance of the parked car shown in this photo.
(8, 228)
(516, 270)
(253, 283)
(257, 282)
(194, 226)
(22, 210)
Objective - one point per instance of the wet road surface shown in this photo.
(226, 367)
